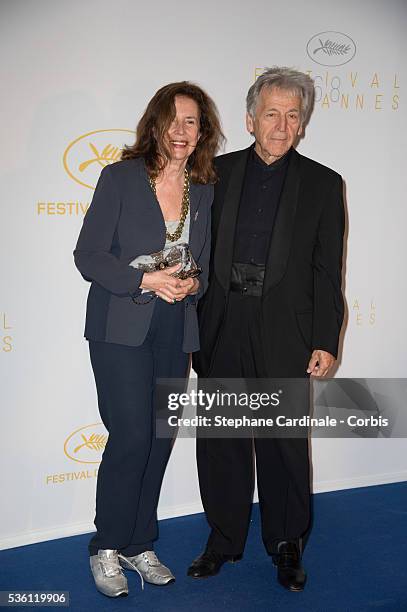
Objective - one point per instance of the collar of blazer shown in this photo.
(195, 192)
(280, 243)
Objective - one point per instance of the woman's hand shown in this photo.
(167, 287)
(162, 283)
(189, 286)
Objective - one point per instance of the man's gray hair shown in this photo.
(298, 83)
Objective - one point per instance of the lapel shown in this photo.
(194, 201)
(158, 230)
(280, 243)
(226, 231)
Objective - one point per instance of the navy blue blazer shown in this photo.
(123, 221)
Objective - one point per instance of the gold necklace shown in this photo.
(184, 206)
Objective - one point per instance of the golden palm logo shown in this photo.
(94, 442)
(86, 444)
(85, 156)
(107, 156)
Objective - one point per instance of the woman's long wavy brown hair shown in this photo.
(155, 123)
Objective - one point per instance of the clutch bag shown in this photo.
(170, 256)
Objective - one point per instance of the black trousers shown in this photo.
(226, 466)
(134, 460)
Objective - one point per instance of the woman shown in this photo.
(143, 325)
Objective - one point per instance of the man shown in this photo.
(274, 308)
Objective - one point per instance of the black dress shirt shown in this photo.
(258, 207)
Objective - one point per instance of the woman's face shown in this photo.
(183, 134)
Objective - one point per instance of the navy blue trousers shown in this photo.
(134, 460)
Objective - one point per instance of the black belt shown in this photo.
(247, 279)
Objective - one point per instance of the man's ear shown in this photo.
(300, 130)
(249, 123)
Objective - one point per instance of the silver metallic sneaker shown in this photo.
(149, 567)
(108, 574)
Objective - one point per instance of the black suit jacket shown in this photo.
(302, 303)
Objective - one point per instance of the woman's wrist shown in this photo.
(143, 281)
(195, 288)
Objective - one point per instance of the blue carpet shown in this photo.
(356, 559)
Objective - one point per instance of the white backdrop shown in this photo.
(76, 77)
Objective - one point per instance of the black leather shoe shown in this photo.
(290, 572)
(209, 563)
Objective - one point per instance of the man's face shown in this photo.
(276, 124)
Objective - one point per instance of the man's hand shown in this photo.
(320, 363)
